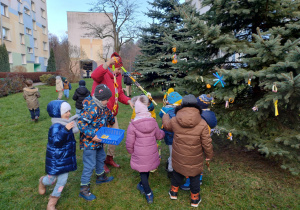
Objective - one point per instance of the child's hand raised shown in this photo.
(96, 139)
(70, 125)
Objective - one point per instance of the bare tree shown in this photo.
(129, 51)
(105, 54)
(121, 25)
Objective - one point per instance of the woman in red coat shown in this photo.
(104, 74)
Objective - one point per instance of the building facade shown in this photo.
(96, 50)
(24, 31)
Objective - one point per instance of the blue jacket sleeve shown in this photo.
(58, 135)
(85, 124)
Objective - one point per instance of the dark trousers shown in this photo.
(177, 180)
(144, 182)
(34, 112)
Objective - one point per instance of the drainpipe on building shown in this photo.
(1, 26)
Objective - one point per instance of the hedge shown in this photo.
(34, 76)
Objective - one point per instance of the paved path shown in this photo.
(39, 83)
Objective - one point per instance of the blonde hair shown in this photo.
(144, 99)
(29, 82)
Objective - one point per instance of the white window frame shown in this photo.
(34, 25)
(6, 33)
(43, 13)
(20, 1)
(35, 43)
(10, 57)
(45, 61)
(29, 50)
(33, 6)
(21, 18)
(28, 31)
(27, 11)
(44, 29)
(36, 59)
(5, 10)
(45, 46)
(22, 39)
(24, 61)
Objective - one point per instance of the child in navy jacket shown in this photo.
(61, 150)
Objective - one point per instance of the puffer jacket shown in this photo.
(80, 94)
(61, 147)
(141, 144)
(209, 117)
(191, 140)
(31, 96)
(91, 119)
(104, 76)
(168, 135)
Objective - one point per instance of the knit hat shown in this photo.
(64, 108)
(174, 98)
(102, 92)
(204, 101)
(189, 100)
(81, 83)
(119, 63)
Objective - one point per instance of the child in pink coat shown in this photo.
(142, 133)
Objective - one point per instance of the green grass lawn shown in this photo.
(238, 180)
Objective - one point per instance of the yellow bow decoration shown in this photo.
(276, 107)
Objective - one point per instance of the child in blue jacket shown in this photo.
(209, 116)
(61, 150)
(173, 99)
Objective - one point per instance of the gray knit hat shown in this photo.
(189, 100)
(102, 92)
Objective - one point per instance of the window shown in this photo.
(29, 50)
(34, 24)
(27, 11)
(45, 45)
(32, 6)
(6, 33)
(24, 59)
(35, 43)
(36, 59)
(22, 39)
(10, 57)
(4, 10)
(20, 1)
(46, 61)
(44, 29)
(43, 13)
(20, 17)
(28, 30)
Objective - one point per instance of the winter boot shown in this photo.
(186, 185)
(103, 178)
(86, 193)
(149, 197)
(195, 199)
(110, 161)
(42, 187)
(173, 192)
(52, 202)
(140, 188)
(106, 169)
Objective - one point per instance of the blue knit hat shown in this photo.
(174, 98)
(204, 101)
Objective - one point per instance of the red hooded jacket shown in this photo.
(104, 76)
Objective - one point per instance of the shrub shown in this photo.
(44, 78)
(19, 69)
(11, 84)
(34, 76)
(51, 81)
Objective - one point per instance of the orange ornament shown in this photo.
(174, 61)
(208, 86)
(174, 49)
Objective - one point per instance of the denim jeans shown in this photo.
(92, 159)
(66, 92)
(60, 184)
(34, 112)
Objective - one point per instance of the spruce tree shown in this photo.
(51, 62)
(4, 59)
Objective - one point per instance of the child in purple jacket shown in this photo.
(142, 133)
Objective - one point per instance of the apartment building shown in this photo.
(96, 50)
(24, 31)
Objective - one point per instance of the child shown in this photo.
(150, 109)
(173, 99)
(209, 116)
(191, 140)
(142, 133)
(61, 150)
(128, 83)
(67, 88)
(80, 94)
(31, 95)
(59, 87)
(94, 115)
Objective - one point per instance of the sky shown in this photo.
(57, 13)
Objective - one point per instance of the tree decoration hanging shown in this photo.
(219, 79)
